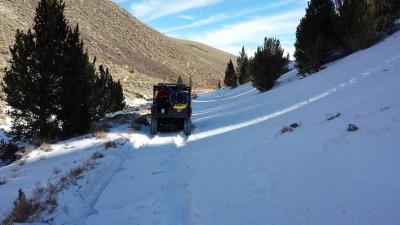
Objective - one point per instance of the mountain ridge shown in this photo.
(136, 54)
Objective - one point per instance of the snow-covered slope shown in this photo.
(237, 167)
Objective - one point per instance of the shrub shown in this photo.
(22, 210)
(45, 198)
(352, 128)
(290, 128)
(76, 173)
(110, 144)
(97, 155)
(100, 134)
(7, 152)
(46, 147)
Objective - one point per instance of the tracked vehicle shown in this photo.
(171, 109)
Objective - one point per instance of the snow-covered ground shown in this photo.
(237, 167)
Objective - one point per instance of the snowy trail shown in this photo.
(89, 194)
(237, 168)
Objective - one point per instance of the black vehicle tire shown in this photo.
(187, 126)
(154, 126)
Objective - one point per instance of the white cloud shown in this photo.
(154, 9)
(209, 20)
(252, 32)
(186, 17)
(225, 16)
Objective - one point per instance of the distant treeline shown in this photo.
(329, 30)
(333, 29)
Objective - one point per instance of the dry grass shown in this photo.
(45, 147)
(45, 198)
(132, 131)
(100, 134)
(22, 210)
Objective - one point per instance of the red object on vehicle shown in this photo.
(162, 93)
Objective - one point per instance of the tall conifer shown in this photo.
(230, 79)
(268, 64)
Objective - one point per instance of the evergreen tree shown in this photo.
(32, 87)
(268, 64)
(316, 40)
(230, 79)
(21, 86)
(355, 25)
(243, 67)
(179, 80)
(76, 87)
(108, 95)
(51, 30)
(102, 95)
(384, 13)
(51, 86)
(117, 95)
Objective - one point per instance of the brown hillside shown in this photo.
(136, 54)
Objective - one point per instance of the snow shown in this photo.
(237, 167)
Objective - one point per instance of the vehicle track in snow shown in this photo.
(89, 194)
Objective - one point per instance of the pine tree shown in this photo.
(102, 95)
(108, 95)
(34, 116)
(230, 79)
(179, 80)
(268, 64)
(316, 40)
(117, 95)
(52, 87)
(76, 87)
(355, 25)
(51, 30)
(21, 86)
(243, 67)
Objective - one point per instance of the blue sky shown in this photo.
(225, 24)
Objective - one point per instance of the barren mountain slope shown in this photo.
(136, 53)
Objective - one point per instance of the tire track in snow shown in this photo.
(177, 197)
(91, 193)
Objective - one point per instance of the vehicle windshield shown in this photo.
(179, 97)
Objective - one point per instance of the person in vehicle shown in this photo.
(162, 100)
